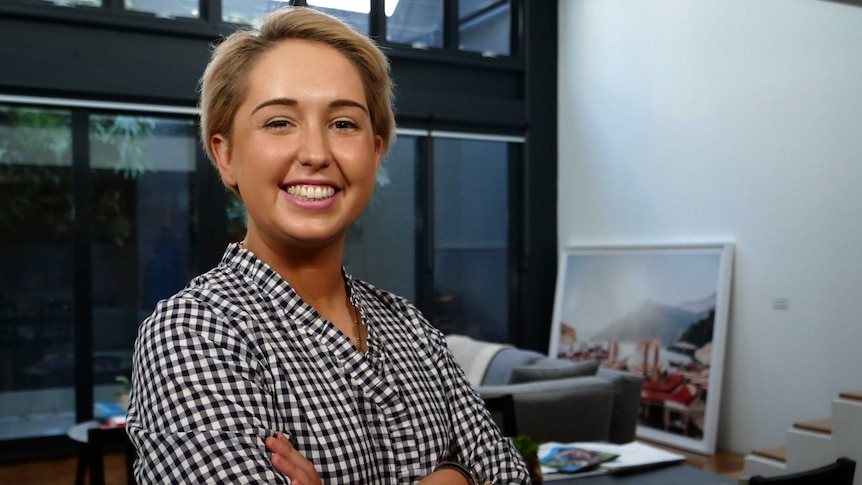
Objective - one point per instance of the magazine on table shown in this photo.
(572, 458)
(608, 458)
(110, 414)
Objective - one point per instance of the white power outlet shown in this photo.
(780, 302)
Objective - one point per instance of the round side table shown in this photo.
(93, 442)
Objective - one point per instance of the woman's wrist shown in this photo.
(445, 477)
(458, 469)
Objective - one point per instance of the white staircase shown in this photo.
(815, 443)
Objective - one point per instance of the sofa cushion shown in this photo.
(500, 371)
(551, 369)
(474, 356)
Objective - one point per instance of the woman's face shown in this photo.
(302, 150)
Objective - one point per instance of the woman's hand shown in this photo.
(287, 460)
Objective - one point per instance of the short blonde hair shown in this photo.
(224, 84)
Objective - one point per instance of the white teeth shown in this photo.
(311, 192)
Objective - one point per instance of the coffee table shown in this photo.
(669, 475)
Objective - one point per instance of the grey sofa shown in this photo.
(597, 405)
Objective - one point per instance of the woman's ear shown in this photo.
(378, 150)
(220, 146)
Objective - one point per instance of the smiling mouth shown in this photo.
(311, 192)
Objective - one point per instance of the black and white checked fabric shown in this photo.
(237, 356)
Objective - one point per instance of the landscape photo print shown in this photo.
(657, 311)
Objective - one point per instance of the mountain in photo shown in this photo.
(655, 320)
(700, 306)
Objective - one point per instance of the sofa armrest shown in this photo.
(627, 397)
(565, 410)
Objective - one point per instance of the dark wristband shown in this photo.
(453, 465)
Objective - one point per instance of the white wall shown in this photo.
(739, 121)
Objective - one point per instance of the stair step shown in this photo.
(853, 396)
(823, 426)
(778, 453)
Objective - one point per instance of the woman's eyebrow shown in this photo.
(275, 101)
(338, 103)
(348, 102)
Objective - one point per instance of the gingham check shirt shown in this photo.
(237, 356)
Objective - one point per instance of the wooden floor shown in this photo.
(722, 463)
(62, 472)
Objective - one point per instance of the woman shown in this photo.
(276, 366)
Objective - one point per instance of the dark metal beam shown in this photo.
(540, 180)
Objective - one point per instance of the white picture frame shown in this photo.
(659, 311)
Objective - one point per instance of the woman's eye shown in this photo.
(345, 125)
(278, 124)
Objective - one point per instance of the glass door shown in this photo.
(37, 361)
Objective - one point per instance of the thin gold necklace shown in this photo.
(357, 324)
(357, 317)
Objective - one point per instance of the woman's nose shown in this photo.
(314, 149)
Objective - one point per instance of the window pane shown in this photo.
(248, 12)
(381, 245)
(143, 217)
(86, 3)
(484, 26)
(165, 8)
(354, 12)
(471, 237)
(415, 22)
(37, 281)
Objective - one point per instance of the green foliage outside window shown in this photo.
(36, 174)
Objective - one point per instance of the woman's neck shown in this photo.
(314, 273)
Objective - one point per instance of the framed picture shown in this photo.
(660, 312)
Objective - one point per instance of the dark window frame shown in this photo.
(523, 100)
(111, 15)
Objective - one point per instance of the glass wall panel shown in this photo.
(85, 3)
(248, 12)
(142, 247)
(471, 237)
(165, 8)
(484, 26)
(415, 22)
(354, 12)
(381, 245)
(37, 281)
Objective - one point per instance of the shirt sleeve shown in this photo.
(200, 410)
(479, 444)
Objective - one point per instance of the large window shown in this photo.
(381, 245)
(441, 235)
(471, 237)
(37, 280)
(142, 170)
(437, 231)
(133, 202)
